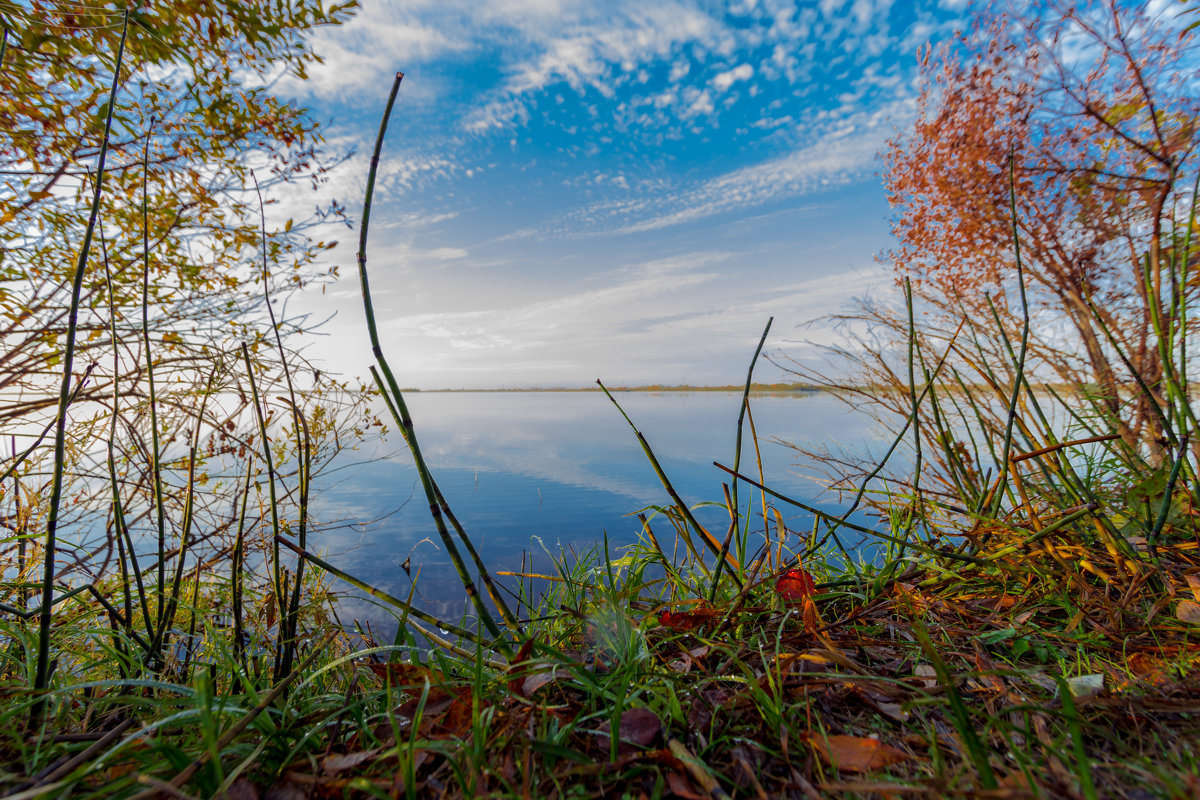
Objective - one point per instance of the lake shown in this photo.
(523, 470)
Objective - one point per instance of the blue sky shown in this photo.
(575, 189)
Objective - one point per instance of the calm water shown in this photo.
(558, 467)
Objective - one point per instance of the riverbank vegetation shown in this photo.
(755, 388)
(1017, 617)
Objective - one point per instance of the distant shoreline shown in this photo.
(755, 388)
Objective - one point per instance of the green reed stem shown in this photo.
(666, 482)
(397, 397)
(155, 444)
(830, 518)
(42, 678)
(912, 396)
(1165, 507)
(292, 610)
(862, 488)
(276, 586)
(1019, 364)
(305, 485)
(384, 596)
(121, 528)
(189, 505)
(236, 578)
(737, 447)
(497, 598)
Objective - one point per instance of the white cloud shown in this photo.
(585, 52)
(446, 253)
(742, 72)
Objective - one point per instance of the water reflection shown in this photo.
(561, 466)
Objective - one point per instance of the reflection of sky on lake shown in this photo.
(564, 467)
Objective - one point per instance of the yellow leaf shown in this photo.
(1194, 583)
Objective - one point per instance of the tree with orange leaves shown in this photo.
(1092, 118)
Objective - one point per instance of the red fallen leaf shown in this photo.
(680, 786)
(517, 679)
(795, 585)
(856, 753)
(687, 620)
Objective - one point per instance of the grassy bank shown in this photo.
(1019, 656)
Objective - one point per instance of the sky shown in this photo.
(582, 189)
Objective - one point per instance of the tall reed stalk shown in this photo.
(396, 398)
(42, 679)
(289, 612)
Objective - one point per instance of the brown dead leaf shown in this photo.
(539, 679)
(285, 790)
(640, 726)
(925, 675)
(1193, 582)
(459, 717)
(1145, 669)
(339, 762)
(680, 786)
(691, 658)
(1188, 612)
(401, 674)
(812, 617)
(856, 753)
(241, 789)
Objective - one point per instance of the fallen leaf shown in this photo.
(1188, 612)
(460, 716)
(1082, 685)
(795, 585)
(402, 674)
(856, 753)
(680, 786)
(539, 679)
(691, 658)
(812, 618)
(339, 762)
(1145, 669)
(687, 620)
(1193, 583)
(525, 651)
(894, 710)
(241, 789)
(640, 726)
(925, 675)
(1042, 681)
(285, 790)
